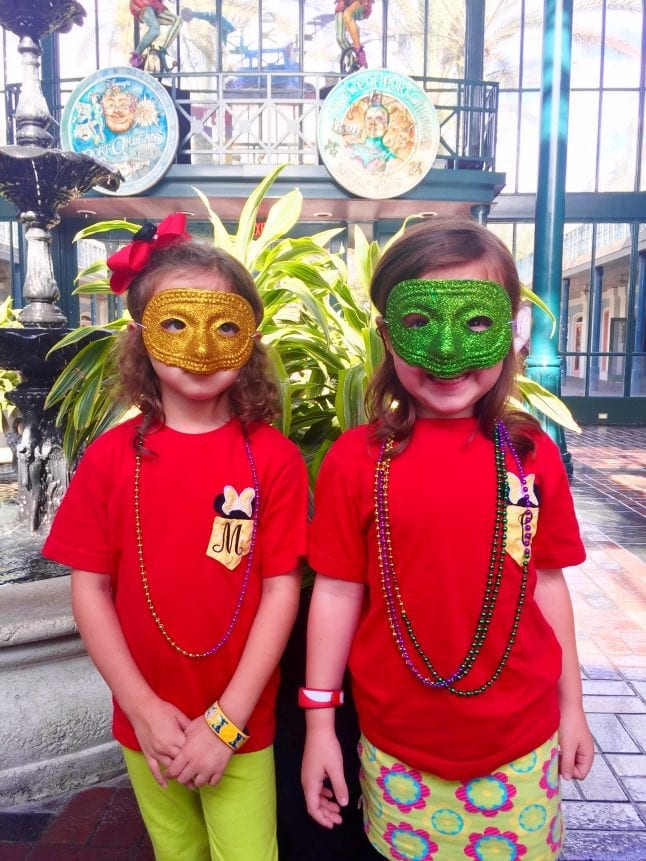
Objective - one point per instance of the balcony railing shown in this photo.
(254, 117)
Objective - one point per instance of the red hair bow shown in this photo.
(129, 261)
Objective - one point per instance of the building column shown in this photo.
(639, 343)
(544, 363)
(480, 212)
(596, 293)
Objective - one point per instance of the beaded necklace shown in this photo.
(245, 580)
(398, 617)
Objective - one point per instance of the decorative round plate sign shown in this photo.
(125, 119)
(378, 133)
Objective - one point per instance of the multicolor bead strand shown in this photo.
(245, 580)
(494, 576)
(527, 520)
(395, 607)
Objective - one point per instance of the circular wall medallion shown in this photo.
(378, 133)
(125, 119)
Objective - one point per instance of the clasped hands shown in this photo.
(178, 748)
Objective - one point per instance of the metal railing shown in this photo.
(254, 117)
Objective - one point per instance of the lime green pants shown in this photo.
(233, 821)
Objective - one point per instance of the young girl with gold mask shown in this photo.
(440, 532)
(184, 527)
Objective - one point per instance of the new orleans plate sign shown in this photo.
(125, 119)
(378, 133)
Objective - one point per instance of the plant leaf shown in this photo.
(221, 238)
(105, 227)
(546, 402)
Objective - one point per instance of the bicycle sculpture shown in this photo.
(347, 14)
(151, 51)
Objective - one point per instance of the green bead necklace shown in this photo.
(400, 623)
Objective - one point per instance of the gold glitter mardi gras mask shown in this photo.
(201, 331)
(449, 327)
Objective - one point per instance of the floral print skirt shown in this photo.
(512, 814)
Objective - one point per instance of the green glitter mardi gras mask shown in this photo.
(449, 327)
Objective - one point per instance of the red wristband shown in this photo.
(313, 698)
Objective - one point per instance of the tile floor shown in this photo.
(606, 813)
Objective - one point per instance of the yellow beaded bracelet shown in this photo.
(225, 729)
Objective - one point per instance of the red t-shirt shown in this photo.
(194, 594)
(442, 504)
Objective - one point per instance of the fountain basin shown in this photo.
(40, 180)
(55, 735)
(35, 18)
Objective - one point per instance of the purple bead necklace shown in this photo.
(245, 580)
(400, 623)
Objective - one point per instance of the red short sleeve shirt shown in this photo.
(187, 481)
(442, 504)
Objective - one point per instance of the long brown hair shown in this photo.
(435, 244)
(252, 397)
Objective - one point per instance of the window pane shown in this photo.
(533, 43)
(524, 248)
(445, 45)
(581, 148)
(112, 34)
(507, 141)
(638, 383)
(528, 144)
(574, 375)
(504, 232)
(243, 16)
(577, 254)
(622, 60)
(202, 46)
(322, 53)
(8, 250)
(618, 141)
(586, 46)
(638, 375)
(613, 257)
(405, 37)
(519, 238)
(279, 34)
(12, 75)
(502, 42)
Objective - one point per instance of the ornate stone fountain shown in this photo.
(55, 732)
(39, 179)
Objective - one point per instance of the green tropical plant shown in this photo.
(318, 331)
(8, 379)
(313, 327)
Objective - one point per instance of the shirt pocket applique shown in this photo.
(232, 528)
(518, 513)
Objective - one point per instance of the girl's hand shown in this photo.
(203, 758)
(323, 760)
(575, 741)
(160, 730)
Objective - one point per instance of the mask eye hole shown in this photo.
(173, 325)
(228, 329)
(480, 324)
(415, 321)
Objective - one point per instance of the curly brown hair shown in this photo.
(252, 397)
(429, 246)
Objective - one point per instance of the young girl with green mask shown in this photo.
(184, 527)
(440, 532)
